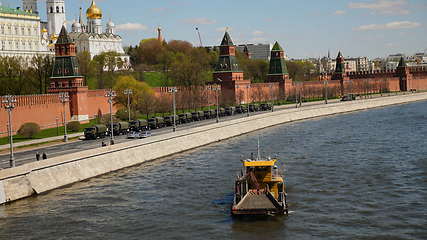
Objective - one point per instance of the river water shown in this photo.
(355, 176)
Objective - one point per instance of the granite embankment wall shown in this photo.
(41, 177)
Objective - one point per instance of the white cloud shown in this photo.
(257, 33)
(340, 12)
(131, 27)
(199, 21)
(393, 7)
(388, 26)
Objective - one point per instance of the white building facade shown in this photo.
(21, 34)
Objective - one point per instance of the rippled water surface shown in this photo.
(355, 176)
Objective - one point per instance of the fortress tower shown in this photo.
(55, 16)
(234, 88)
(30, 6)
(278, 72)
(66, 77)
(227, 68)
(341, 75)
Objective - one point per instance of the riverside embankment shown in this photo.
(41, 177)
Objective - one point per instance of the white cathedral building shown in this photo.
(23, 34)
(90, 36)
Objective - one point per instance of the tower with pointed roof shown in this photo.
(229, 75)
(227, 68)
(66, 76)
(340, 74)
(405, 77)
(278, 72)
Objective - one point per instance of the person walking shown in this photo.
(37, 156)
(44, 156)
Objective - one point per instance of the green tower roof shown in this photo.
(277, 61)
(277, 47)
(226, 40)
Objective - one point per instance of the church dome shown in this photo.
(76, 25)
(110, 24)
(93, 12)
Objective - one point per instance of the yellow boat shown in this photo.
(260, 189)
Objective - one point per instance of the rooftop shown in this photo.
(16, 11)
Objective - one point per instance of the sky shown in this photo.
(304, 28)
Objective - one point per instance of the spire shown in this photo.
(402, 63)
(63, 36)
(81, 16)
(226, 40)
(159, 34)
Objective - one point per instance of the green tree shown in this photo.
(142, 99)
(300, 70)
(41, 69)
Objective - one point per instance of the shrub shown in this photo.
(73, 126)
(28, 130)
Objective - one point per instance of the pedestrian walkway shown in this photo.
(39, 141)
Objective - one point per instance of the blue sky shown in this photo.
(305, 28)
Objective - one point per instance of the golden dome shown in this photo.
(93, 12)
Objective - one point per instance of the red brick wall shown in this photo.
(41, 109)
(98, 104)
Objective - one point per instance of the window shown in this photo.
(62, 9)
(51, 9)
(57, 9)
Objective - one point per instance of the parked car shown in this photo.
(96, 131)
(139, 135)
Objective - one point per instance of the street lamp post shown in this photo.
(128, 92)
(174, 90)
(9, 105)
(247, 98)
(326, 91)
(217, 89)
(272, 97)
(110, 94)
(64, 98)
